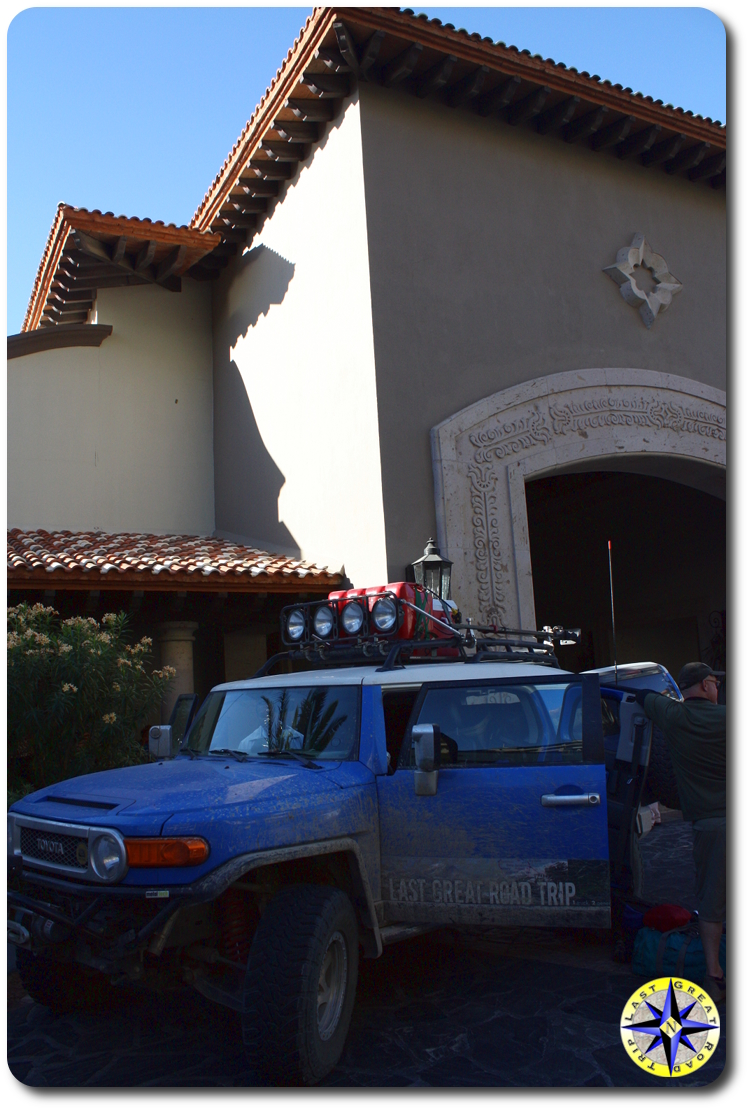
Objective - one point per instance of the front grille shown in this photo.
(48, 847)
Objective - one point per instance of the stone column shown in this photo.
(175, 639)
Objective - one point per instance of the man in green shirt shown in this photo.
(695, 731)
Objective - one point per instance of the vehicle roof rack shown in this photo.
(499, 645)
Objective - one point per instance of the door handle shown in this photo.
(570, 799)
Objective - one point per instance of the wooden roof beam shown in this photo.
(467, 88)
(402, 66)
(145, 257)
(687, 159)
(585, 126)
(285, 151)
(318, 111)
(294, 131)
(327, 86)
(256, 187)
(499, 98)
(639, 143)
(664, 151)
(333, 59)
(434, 79)
(528, 107)
(347, 46)
(615, 133)
(370, 53)
(708, 167)
(557, 116)
(274, 171)
(71, 294)
(119, 250)
(244, 204)
(116, 260)
(172, 262)
(243, 219)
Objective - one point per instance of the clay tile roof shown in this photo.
(89, 560)
(695, 139)
(79, 235)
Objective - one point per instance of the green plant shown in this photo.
(78, 695)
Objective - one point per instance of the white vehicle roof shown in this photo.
(630, 668)
(410, 675)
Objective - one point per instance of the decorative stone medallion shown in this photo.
(623, 273)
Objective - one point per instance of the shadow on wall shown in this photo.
(247, 480)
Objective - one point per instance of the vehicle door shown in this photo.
(516, 832)
(628, 738)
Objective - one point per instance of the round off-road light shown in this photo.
(352, 618)
(384, 614)
(324, 621)
(295, 624)
(108, 858)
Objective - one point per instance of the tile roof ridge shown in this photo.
(593, 80)
(312, 19)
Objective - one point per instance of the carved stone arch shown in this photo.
(483, 456)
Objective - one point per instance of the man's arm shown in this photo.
(659, 708)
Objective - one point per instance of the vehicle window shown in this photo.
(321, 721)
(506, 725)
(397, 704)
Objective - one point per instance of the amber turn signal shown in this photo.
(158, 851)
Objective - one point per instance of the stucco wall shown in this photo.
(118, 437)
(487, 244)
(297, 458)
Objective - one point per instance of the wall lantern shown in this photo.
(432, 571)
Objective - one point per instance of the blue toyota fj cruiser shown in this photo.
(400, 781)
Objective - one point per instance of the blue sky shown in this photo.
(133, 110)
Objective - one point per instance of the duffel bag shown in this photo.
(676, 952)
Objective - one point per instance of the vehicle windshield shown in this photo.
(319, 721)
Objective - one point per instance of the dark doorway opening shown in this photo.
(669, 561)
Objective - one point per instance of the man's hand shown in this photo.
(641, 695)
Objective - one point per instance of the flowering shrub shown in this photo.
(78, 695)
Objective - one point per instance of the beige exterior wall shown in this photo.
(120, 437)
(486, 247)
(297, 452)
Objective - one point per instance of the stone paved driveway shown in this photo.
(511, 1008)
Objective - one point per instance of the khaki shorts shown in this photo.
(709, 835)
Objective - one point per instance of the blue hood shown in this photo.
(138, 800)
(237, 807)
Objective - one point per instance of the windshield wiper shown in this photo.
(241, 757)
(288, 753)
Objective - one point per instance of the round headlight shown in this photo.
(108, 858)
(352, 618)
(384, 614)
(295, 624)
(323, 621)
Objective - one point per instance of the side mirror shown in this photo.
(160, 742)
(426, 744)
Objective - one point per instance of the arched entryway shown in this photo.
(669, 564)
(485, 457)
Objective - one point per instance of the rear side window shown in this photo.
(488, 726)
(397, 704)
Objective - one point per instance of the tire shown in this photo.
(661, 780)
(64, 988)
(308, 936)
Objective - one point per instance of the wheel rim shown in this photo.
(331, 987)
